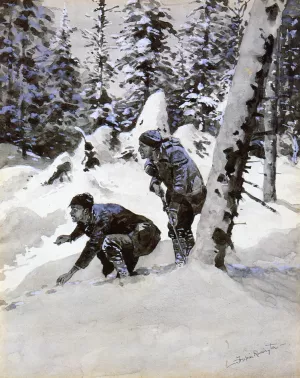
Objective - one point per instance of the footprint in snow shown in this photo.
(100, 283)
(73, 283)
(13, 306)
(33, 293)
(51, 291)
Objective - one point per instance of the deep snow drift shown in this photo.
(191, 322)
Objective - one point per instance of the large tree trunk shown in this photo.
(270, 128)
(225, 182)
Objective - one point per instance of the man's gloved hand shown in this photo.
(173, 218)
(165, 207)
(158, 190)
(63, 239)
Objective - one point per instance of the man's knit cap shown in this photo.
(85, 200)
(151, 138)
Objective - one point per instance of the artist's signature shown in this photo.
(268, 348)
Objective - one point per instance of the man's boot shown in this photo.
(114, 255)
(190, 241)
(121, 269)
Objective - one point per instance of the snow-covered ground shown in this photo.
(193, 322)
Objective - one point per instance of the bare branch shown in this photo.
(259, 201)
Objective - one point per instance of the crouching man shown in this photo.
(118, 237)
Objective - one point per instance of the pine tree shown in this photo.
(64, 83)
(29, 26)
(213, 34)
(99, 102)
(9, 56)
(145, 62)
(235, 16)
(175, 87)
(202, 87)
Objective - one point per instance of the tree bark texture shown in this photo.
(225, 182)
(270, 128)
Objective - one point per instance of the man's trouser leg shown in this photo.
(118, 249)
(179, 245)
(190, 241)
(185, 241)
(107, 266)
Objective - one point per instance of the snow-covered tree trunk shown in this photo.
(225, 182)
(270, 129)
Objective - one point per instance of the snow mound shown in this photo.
(13, 179)
(101, 141)
(200, 146)
(153, 116)
(22, 228)
(283, 249)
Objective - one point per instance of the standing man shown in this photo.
(118, 237)
(169, 163)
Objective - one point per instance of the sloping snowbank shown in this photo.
(192, 322)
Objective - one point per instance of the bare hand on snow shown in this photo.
(64, 278)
